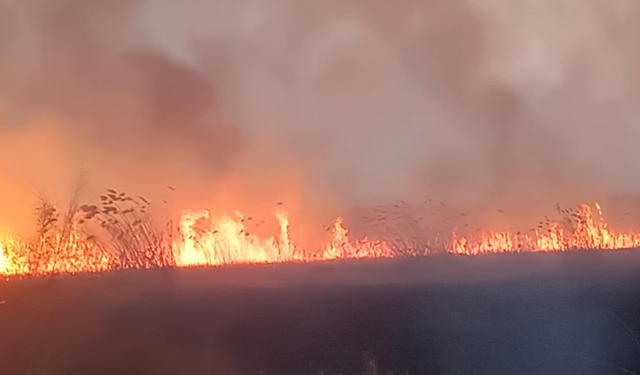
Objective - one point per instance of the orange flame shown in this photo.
(4, 264)
(227, 241)
(207, 241)
(585, 233)
(340, 248)
(68, 254)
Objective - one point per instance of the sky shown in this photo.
(321, 103)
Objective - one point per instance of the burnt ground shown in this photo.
(568, 313)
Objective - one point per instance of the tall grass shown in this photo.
(131, 231)
(119, 233)
(59, 246)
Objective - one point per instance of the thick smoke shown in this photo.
(337, 102)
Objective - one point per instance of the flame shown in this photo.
(58, 254)
(584, 233)
(225, 240)
(4, 265)
(340, 248)
(8, 255)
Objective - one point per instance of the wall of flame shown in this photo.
(207, 241)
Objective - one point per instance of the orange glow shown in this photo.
(69, 254)
(341, 248)
(11, 262)
(226, 240)
(204, 240)
(583, 232)
(4, 263)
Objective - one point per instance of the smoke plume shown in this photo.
(322, 102)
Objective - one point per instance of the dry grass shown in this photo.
(119, 233)
(131, 231)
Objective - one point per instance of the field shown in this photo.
(527, 313)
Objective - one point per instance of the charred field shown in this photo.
(522, 313)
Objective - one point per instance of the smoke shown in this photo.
(115, 107)
(350, 102)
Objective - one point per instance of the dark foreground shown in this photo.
(574, 313)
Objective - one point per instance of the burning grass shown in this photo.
(121, 233)
(579, 230)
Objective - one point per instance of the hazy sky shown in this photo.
(322, 101)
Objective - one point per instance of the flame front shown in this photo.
(226, 240)
(4, 264)
(585, 233)
(208, 242)
(59, 254)
(340, 248)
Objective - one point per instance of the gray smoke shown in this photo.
(371, 101)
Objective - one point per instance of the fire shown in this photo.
(226, 240)
(204, 240)
(4, 264)
(208, 242)
(58, 254)
(341, 248)
(582, 232)
(9, 249)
